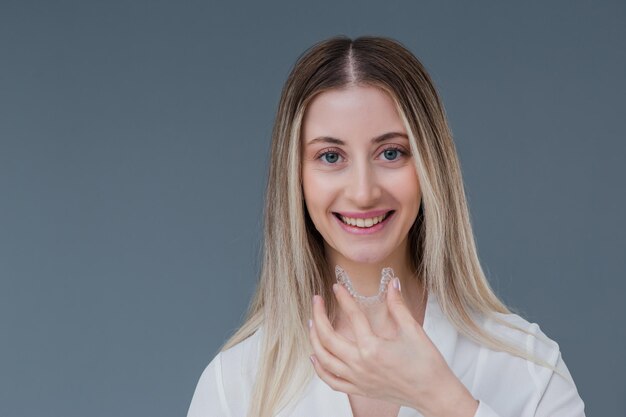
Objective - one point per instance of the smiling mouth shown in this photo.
(363, 223)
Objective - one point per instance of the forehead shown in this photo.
(355, 111)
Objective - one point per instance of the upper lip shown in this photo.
(366, 215)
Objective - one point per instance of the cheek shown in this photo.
(405, 187)
(315, 192)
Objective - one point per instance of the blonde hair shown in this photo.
(293, 264)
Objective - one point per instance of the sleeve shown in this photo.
(484, 410)
(560, 397)
(208, 398)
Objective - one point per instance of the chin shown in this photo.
(366, 257)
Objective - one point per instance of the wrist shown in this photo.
(465, 406)
(457, 402)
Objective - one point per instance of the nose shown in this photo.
(363, 187)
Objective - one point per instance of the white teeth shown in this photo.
(363, 222)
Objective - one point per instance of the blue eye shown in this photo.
(391, 153)
(330, 157)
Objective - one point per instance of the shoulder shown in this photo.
(509, 381)
(226, 382)
(514, 385)
(527, 336)
(241, 359)
(238, 368)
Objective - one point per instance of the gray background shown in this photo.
(134, 141)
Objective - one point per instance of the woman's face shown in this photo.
(357, 164)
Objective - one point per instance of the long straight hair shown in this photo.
(294, 268)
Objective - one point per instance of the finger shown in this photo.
(360, 324)
(326, 359)
(337, 383)
(332, 341)
(398, 309)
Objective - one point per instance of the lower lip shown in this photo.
(364, 230)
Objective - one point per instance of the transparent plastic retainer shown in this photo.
(387, 275)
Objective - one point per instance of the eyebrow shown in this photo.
(377, 139)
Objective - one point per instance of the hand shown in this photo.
(407, 369)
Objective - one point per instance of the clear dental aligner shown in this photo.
(386, 276)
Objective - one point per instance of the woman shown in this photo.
(364, 176)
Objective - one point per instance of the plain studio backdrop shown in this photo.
(134, 140)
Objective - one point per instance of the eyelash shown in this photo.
(337, 151)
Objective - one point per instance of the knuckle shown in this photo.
(322, 335)
(416, 329)
(370, 352)
(353, 314)
(397, 303)
(322, 359)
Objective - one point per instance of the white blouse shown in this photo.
(505, 385)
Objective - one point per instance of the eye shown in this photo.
(392, 153)
(330, 156)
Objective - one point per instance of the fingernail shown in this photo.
(396, 284)
(312, 359)
(310, 323)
